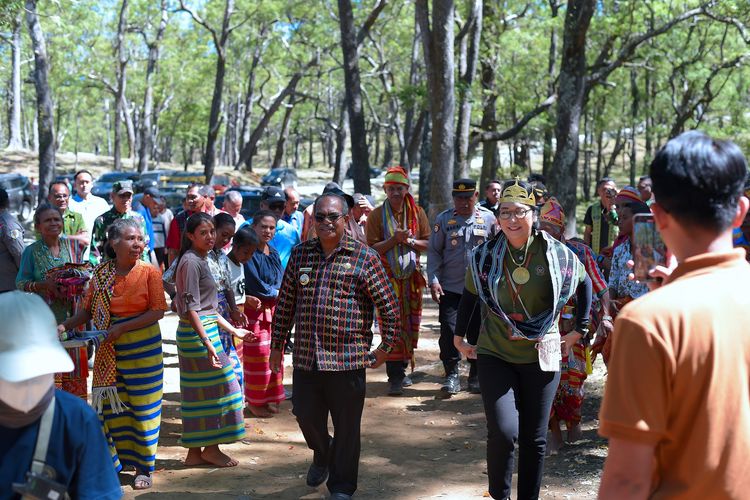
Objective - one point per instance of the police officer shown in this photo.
(455, 233)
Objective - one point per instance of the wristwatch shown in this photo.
(607, 318)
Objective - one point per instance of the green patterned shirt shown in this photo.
(99, 234)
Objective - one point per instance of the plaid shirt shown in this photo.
(330, 300)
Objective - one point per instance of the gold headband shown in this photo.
(517, 194)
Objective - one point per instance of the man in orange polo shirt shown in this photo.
(676, 407)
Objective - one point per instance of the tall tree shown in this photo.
(358, 130)
(220, 39)
(45, 120)
(437, 41)
(146, 129)
(121, 107)
(468, 39)
(15, 140)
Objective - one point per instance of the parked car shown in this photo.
(103, 185)
(21, 197)
(152, 178)
(251, 196)
(281, 177)
(67, 179)
(374, 172)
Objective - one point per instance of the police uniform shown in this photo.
(452, 239)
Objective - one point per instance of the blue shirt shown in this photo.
(284, 240)
(77, 451)
(263, 274)
(297, 220)
(146, 213)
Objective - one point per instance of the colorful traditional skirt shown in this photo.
(409, 296)
(569, 397)
(211, 397)
(75, 382)
(262, 386)
(227, 341)
(133, 434)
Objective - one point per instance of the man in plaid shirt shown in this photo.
(328, 291)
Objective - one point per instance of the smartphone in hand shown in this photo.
(648, 249)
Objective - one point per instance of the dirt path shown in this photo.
(416, 446)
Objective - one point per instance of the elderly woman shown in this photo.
(518, 283)
(126, 298)
(51, 250)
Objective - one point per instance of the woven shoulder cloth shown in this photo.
(104, 385)
(486, 266)
(402, 259)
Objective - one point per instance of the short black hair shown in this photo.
(698, 180)
(537, 178)
(84, 171)
(260, 214)
(58, 183)
(603, 180)
(222, 219)
(245, 237)
(4, 200)
(344, 204)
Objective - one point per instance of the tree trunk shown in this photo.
(587, 150)
(146, 131)
(490, 154)
(310, 148)
(46, 123)
(15, 141)
(278, 157)
(425, 163)
(412, 136)
(633, 124)
(120, 73)
(350, 50)
(438, 51)
(469, 54)
(214, 118)
(413, 147)
(339, 165)
(563, 178)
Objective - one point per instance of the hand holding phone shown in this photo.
(648, 248)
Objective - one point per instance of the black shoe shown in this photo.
(289, 347)
(396, 388)
(407, 381)
(340, 496)
(474, 385)
(451, 385)
(316, 474)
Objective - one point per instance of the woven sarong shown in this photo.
(133, 434)
(75, 382)
(211, 399)
(568, 400)
(227, 341)
(409, 296)
(262, 386)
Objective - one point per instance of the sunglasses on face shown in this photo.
(328, 217)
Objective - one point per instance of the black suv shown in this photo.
(20, 195)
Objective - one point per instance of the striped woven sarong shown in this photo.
(133, 434)
(227, 341)
(409, 294)
(211, 397)
(262, 386)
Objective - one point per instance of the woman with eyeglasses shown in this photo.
(517, 285)
(264, 390)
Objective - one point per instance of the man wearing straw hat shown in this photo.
(399, 230)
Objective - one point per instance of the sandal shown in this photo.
(142, 482)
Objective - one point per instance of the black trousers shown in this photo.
(449, 355)
(517, 402)
(315, 394)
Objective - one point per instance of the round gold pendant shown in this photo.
(520, 275)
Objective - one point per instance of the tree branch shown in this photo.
(365, 29)
(478, 137)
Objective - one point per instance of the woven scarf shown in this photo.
(486, 267)
(104, 385)
(401, 258)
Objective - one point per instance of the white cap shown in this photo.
(29, 346)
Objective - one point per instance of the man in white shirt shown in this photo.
(85, 203)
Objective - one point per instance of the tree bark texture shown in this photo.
(468, 57)
(278, 157)
(121, 77)
(563, 178)
(45, 120)
(146, 132)
(15, 141)
(350, 50)
(438, 50)
(490, 153)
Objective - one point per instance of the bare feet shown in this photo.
(555, 441)
(260, 411)
(194, 458)
(273, 408)
(213, 455)
(575, 433)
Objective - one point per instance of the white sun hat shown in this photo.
(29, 346)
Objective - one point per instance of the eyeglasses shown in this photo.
(518, 213)
(332, 218)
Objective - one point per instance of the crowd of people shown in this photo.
(529, 306)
